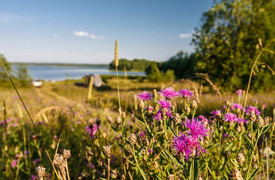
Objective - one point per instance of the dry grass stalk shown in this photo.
(90, 88)
(46, 110)
(205, 77)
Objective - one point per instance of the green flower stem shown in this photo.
(140, 170)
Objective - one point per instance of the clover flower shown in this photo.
(145, 96)
(196, 128)
(186, 144)
(169, 93)
(249, 109)
(185, 93)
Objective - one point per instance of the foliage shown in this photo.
(22, 75)
(131, 65)
(3, 75)
(226, 42)
(182, 64)
(155, 75)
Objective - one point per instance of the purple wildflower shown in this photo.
(241, 120)
(240, 92)
(187, 145)
(185, 93)
(216, 113)
(202, 118)
(92, 130)
(231, 117)
(13, 163)
(225, 135)
(164, 104)
(196, 128)
(169, 93)
(34, 177)
(150, 151)
(142, 134)
(238, 107)
(158, 116)
(37, 160)
(249, 109)
(145, 96)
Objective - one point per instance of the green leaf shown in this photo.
(139, 150)
(211, 146)
(228, 147)
(173, 132)
(196, 169)
(174, 159)
(248, 141)
(254, 173)
(265, 128)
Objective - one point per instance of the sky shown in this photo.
(84, 31)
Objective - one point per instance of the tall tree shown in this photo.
(227, 39)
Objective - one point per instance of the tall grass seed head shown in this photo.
(116, 54)
(194, 104)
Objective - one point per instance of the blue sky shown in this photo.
(84, 31)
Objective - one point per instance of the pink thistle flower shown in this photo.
(240, 92)
(92, 130)
(158, 116)
(185, 93)
(196, 128)
(187, 145)
(216, 113)
(231, 117)
(164, 104)
(13, 163)
(145, 96)
(241, 120)
(237, 107)
(169, 93)
(249, 109)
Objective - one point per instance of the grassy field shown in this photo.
(64, 118)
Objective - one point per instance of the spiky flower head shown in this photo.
(260, 121)
(169, 93)
(216, 113)
(186, 144)
(196, 128)
(240, 92)
(249, 109)
(231, 117)
(186, 93)
(145, 96)
(118, 120)
(164, 104)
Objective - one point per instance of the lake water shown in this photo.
(58, 73)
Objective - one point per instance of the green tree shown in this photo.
(227, 38)
(3, 74)
(22, 75)
(154, 73)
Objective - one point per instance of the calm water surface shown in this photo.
(58, 73)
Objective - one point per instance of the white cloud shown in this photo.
(81, 34)
(96, 37)
(86, 34)
(187, 35)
